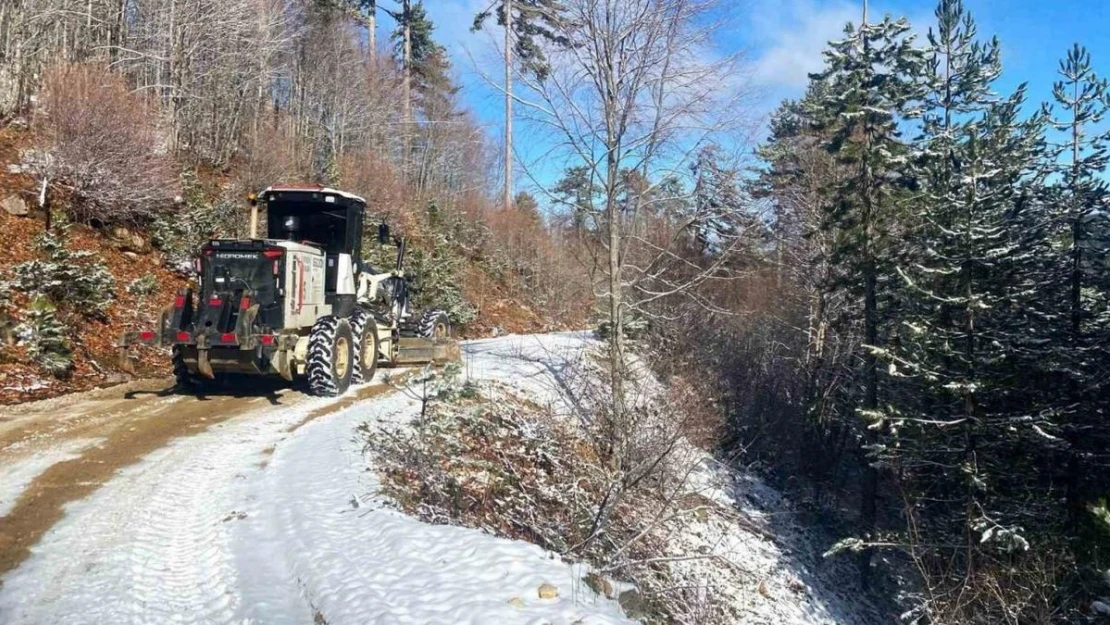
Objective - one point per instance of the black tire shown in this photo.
(434, 324)
(365, 331)
(330, 357)
(187, 381)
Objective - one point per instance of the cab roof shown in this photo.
(312, 188)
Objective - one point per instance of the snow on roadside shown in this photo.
(357, 561)
(19, 474)
(739, 540)
(765, 567)
(273, 517)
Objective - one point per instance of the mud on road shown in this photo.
(86, 438)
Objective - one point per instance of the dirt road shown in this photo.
(136, 505)
(57, 451)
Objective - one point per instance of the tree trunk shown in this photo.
(869, 489)
(406, 84)
(616, 322)
(870, 486)
(372, 29)
(508, 105)
(1073, 495)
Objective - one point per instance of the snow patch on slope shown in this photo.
(739, 539)
(766, 567)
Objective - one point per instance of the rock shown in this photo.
(128, 241)
(633, 604)
(15, 205)
(599, 585)
(547, 591)
(516, 602)
(15, 168)
(115, 378)
(131, 255)
(1101, 607)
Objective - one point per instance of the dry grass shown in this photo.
(503, 464)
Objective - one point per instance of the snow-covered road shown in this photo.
(273, 516)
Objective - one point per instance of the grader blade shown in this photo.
(416, 350)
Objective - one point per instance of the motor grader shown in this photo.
(299, 303)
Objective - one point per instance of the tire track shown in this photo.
(131, 425)
(155, 543)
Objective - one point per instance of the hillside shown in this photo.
(97, 361)
(146, 274)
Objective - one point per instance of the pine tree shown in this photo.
(577, 190)
(525, 22)
(951, 233)
(719, 201)
(45, 337)
(799, 172)
(872, 78)
(1080, 200)
(974, 321)
(533, 22)
(72, 279)
(427, 61)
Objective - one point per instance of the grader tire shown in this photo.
(364, 329)
(187, 381)
(330, 357)
(434, 324)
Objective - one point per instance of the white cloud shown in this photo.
(789, 36)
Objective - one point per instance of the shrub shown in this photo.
(45, 337)
(66, 278)
(181, 233)
(103, 145)
(436, 273)
(434, 270)
(7, 320)
(144, 286)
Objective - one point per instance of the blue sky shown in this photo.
(782, 41)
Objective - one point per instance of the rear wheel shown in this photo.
(330, 357)
(365, 331)
(434, 324)
(187, 381)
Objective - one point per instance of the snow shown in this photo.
(277, 517)
(316, 189)
(537, 365)
(217, 528)
(17, 475)
(765, 565)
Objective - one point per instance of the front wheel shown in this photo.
(434, 324)
(330, 357)
(364, 328)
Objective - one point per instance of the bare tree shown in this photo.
(635, 91)
(508, 190)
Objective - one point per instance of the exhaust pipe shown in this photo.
(253, 200)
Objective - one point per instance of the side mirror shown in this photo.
(383, 233)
